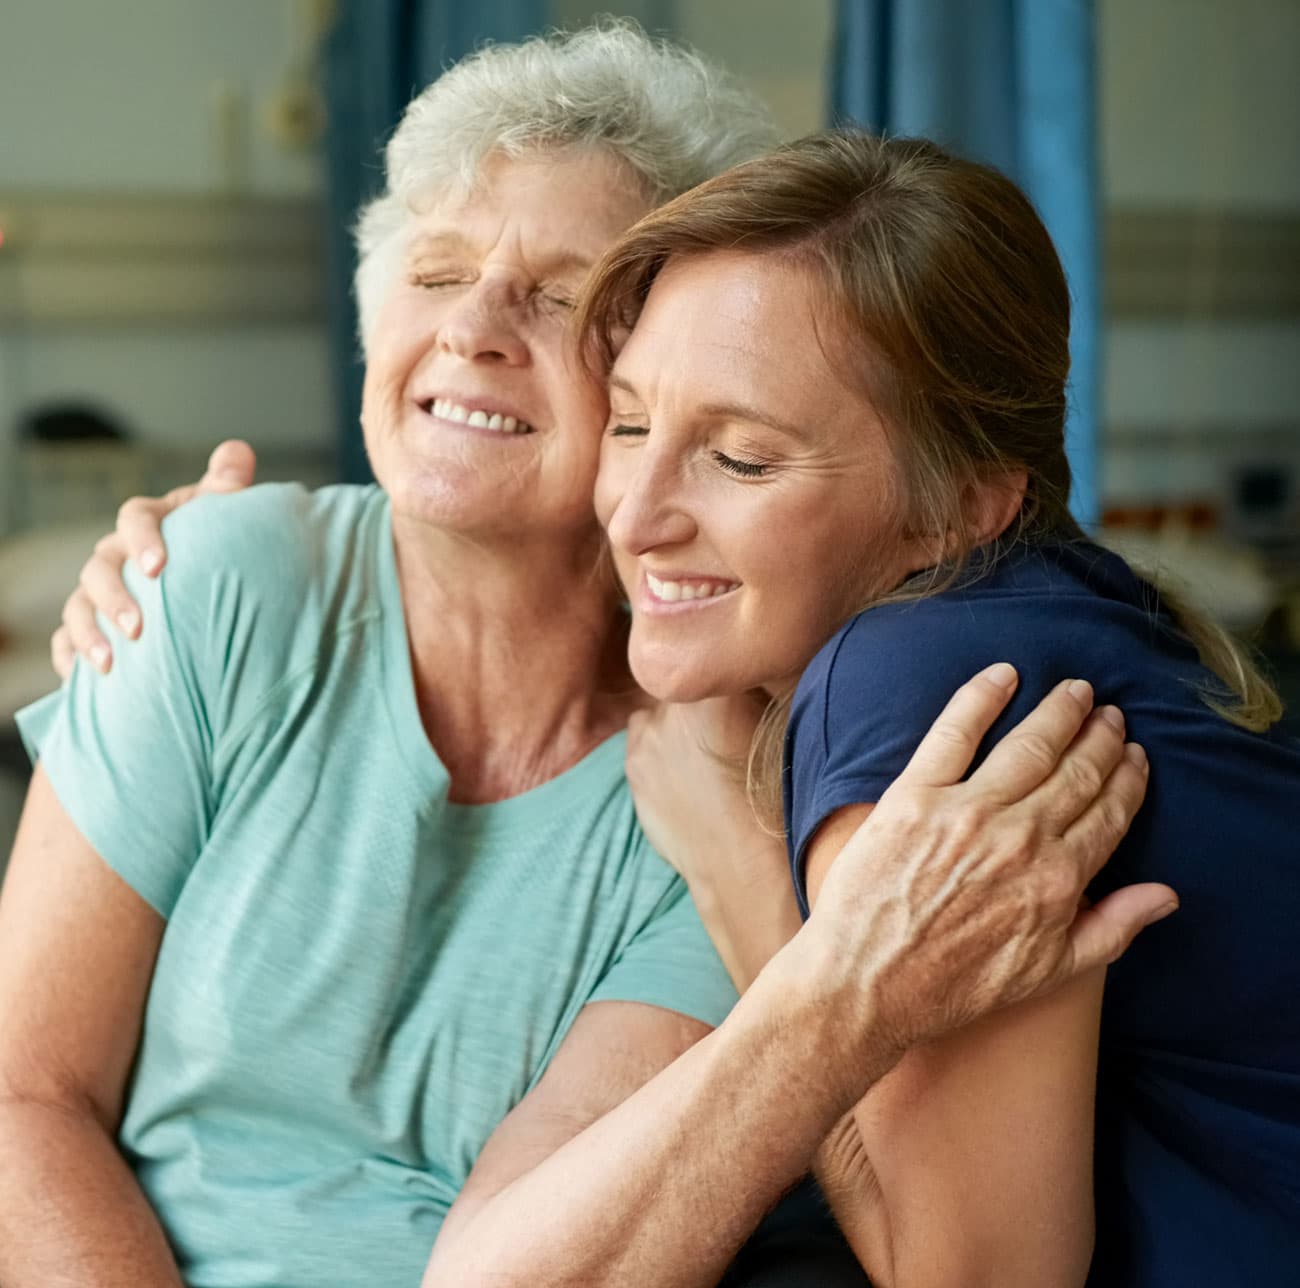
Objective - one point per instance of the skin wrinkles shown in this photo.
(726, 358)
(522, 230)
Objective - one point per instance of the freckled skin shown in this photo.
(805, 521)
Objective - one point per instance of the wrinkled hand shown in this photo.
(138, 537)
(956, 898)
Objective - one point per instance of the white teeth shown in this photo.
(673, 591)
(445, 409)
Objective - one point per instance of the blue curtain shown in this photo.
(1010, 83)
(378, 55)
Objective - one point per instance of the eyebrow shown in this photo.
(729, 411)
(560, 262)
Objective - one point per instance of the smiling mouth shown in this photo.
(493, 421)
(688, 590)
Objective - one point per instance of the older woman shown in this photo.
(343, 845)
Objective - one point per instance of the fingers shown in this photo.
(101, 581)
(139, 527)
(231, 468)
(84, 635)
(1083, 771)
(62, 654)
(1093, 836)
(1026, 756)
(946, 751)
(1101, 934)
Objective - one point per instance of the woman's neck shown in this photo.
(518, 654)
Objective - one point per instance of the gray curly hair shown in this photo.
(671, 117)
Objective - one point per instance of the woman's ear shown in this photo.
(991, 505)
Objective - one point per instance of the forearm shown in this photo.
(750, 921)
(71, 1213)
(664, 1189)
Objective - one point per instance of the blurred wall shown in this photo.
(181, 109)
(775, 48)
(1201, 130)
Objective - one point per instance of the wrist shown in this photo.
(831, 1013)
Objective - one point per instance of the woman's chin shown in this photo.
(670, 678)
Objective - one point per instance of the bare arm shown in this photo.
(77, 951)
(661, 1190)
(970, 1163)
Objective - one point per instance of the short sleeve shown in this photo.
(128, 753)
(671, 962)
(872, 693)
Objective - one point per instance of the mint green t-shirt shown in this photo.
(358, 980)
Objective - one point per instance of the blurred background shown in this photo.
(176, 179)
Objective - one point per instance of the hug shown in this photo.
(688, 769)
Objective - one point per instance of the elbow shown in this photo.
(28, 1092)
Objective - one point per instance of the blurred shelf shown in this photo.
(1208, 264)
(76, 259)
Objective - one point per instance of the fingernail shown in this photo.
(151, 561)
(129, 621)
(1114, 717)
(1001, 674)
(99, 655)
(1080, 691)
(1136, 754)
(1162, 912)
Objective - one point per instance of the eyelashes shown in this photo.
(732, 465)
(553, 300)
(741, 469)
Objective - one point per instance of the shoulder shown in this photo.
(1040, 608)
(269, 532)
(868, 697)
(256, 580)
(276, 549)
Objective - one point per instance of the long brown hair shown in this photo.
(947, 302)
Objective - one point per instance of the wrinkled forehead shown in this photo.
(567, 203)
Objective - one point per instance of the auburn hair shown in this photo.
(946, 301)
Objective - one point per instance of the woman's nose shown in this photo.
(653, 509)
(483, 326)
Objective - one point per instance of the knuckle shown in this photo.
(1018, 844)
(1116, 814)
(1086, 778)
(906, 809)
(952, 733)
(1037, 749)
(1060, 887)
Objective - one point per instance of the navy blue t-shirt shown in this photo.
(1198, 1113)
